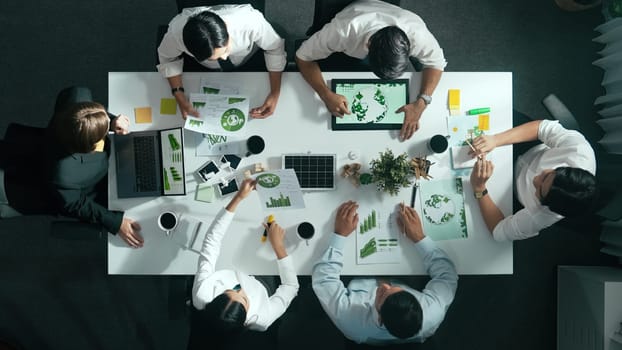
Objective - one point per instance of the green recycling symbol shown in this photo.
(268, 180)
(232, 120)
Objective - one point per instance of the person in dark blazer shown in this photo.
(75, 151)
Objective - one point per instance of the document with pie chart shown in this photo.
(442, 209)
(220, 114)
(279, 190)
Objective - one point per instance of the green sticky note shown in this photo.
(168, 106)
(205, 193)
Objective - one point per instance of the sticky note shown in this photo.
(483, 122)
(168, 106)
(453, 99)
(205, 193)
(142, 115)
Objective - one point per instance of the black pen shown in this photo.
(414, 195)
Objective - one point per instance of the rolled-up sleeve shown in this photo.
(268, 40)
(169, 53)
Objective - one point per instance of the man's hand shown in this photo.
(276, 236)
(482, 171)
(410, 223)
(185, 107)
(412, 114)
(483, 144)
(336, 104)
(121, 125)
(130, 233)
(267, 109)
(347, 218)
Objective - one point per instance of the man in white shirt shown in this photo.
(221, 37)
(377, 312)
(387, 36)
(554, 179)
(227, 300)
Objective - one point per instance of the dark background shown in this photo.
(54, 289)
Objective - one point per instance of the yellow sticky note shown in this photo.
(168, 106)
(483, 122)
(142, 115)
(453, 99)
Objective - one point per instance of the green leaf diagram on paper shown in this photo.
(268, 180)
(369, 105)
(439, 209)
(232, 119)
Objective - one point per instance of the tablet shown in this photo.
(372, 102)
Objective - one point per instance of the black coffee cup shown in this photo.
(255, 145)
(305, 230)
(167, 221)
(438, 144)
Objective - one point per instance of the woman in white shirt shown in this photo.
(229, 301)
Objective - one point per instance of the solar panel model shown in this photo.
(315, 172)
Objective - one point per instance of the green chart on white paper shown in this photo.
(377, 238)
(279, 190)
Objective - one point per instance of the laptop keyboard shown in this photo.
(145, 163)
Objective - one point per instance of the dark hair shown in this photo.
(573, 192)
(401, 314)
(203, 33)
(80, 126)
(389, 52)
(224, 316)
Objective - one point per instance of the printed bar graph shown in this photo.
(369, 223)
(282, 201)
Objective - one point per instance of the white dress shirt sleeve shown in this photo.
(266, 38)
(332, 294)
(282, 297)
(169, 53)
(426, 49)
(324, 42)
(444, 279)
(210, 250)
(567, 147)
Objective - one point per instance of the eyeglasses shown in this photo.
(236, 288)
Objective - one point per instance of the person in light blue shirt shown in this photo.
(377, 312)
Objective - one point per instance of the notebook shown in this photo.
(150, 163)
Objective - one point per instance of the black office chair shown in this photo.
(27, 142)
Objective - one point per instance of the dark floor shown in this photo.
(54, 290)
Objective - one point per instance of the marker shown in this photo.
(265, 232)
(478, 111)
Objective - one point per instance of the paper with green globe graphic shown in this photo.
(373, 103)
(279, 190)
(220, 114)
(442, 214)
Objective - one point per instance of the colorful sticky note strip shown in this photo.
(168, 106)
(142, 115)
(483, 122)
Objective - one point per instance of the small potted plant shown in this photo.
(390, 172)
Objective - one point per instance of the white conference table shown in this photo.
(301, 124)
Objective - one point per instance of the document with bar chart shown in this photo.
(377, 238)
(279, 190)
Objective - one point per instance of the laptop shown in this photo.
(150, 163)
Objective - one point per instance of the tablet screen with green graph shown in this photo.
(372, 103)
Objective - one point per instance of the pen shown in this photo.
(478, 110)
(414, 195)
(265, 232)
(470, 145)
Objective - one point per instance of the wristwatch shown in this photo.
(175, 89)
(479, 195)
(427, 99)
